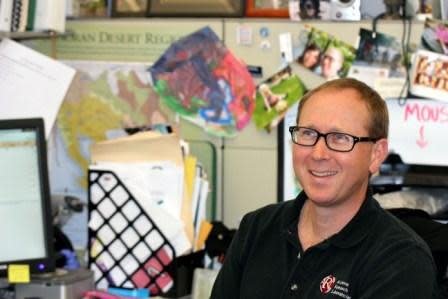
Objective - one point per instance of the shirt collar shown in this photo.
(354, 232)
(358, 228)
(292, 219)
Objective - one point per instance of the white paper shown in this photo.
(201, 212)
(378, 78)
(417, 131)
(171, 226)
(31, 84)
(285, 43)
(162, 182)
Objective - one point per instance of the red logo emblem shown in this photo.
(327, 284)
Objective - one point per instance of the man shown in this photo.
(333, 240)
(331, 63)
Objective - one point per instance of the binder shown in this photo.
(5, 15)
(50, 15)
(19, 15)
(31, 15)
(126, 247)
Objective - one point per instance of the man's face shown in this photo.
(328, 177)
(331, 63)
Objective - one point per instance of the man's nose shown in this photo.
(320, 149)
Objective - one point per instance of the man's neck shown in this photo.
(318, 223)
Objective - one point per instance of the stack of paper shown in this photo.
(151, 166)
(146, 174)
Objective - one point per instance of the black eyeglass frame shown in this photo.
(356, 139)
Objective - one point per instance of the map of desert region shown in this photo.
(102, 98)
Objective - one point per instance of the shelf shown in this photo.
(31, 35)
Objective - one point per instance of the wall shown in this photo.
(247, 164)
(250, 159)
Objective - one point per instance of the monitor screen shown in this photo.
(26, 224)
(287, 185)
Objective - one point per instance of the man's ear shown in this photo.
(379, 153)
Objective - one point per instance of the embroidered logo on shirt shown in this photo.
(327, 284)
(330, 285)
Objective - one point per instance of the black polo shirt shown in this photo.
(374, 256)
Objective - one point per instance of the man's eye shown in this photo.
(341, 138)
(307, 133)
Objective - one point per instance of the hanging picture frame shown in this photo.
(128, 8)
(267, 8)
(195, 8)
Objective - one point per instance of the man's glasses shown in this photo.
(339, 142)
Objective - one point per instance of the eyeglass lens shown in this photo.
(335, 141)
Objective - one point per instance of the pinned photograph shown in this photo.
(333, 60)
(380, 63)
(274, 96)
(129, 8)
(429, 75)
(326, 55)
(435, 36)
(309, 9)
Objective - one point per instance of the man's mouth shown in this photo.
(322, 174)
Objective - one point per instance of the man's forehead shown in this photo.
(329, 98)
(323, 102)
(330, 91)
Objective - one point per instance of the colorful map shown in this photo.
(103, 98)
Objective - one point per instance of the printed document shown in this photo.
(31, 84)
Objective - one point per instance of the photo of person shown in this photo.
(435, 36)
(336, 60)
(325, 55)
(271, 99)
(274, 96)
(309, 9)
(423, 71)
(310, 57)
(331, 63)
(429, 75)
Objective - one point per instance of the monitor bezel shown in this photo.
(46, 263)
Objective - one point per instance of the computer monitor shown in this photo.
(26, 234)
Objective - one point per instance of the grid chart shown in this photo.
(126, 248)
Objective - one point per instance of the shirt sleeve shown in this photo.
(402, 272)
(228, 282)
